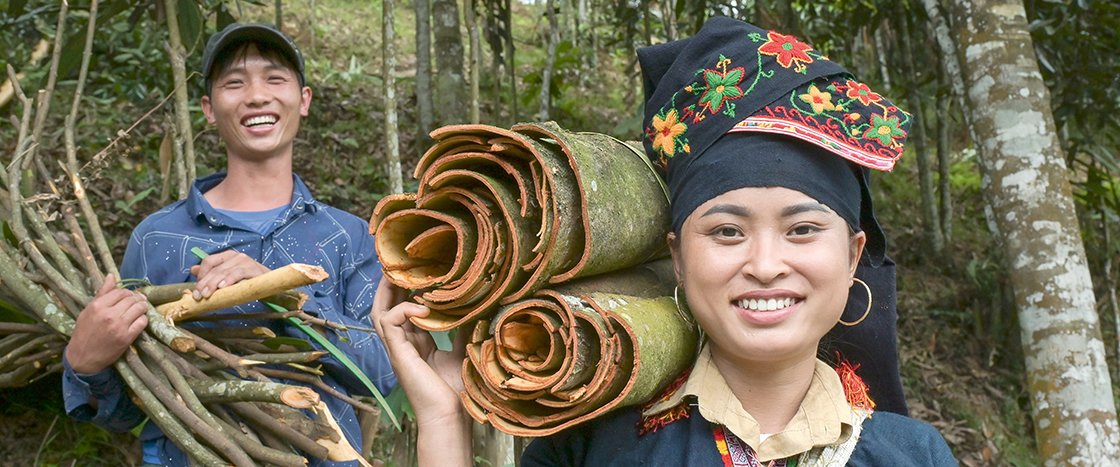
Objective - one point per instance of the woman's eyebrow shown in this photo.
(804, 207)
(733, 209)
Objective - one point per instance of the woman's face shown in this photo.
(766, 272)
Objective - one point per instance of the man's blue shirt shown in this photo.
(308, 231)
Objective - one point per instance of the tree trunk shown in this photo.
(950, 64)
(931, 223)
(389, 82)
(450, 84)
(511, 51)
(1025, 175)
(550, 61)
(179, 75)
(279, 16)
(881, 56)
(669, 18)
(423, 76)
(944, 124)
(475, 58)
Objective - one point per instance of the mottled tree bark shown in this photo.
(451, 94)
(475, 58)
(545, 101)
(389, 82)
(1026, 180)
(423, 75)
(177, 56)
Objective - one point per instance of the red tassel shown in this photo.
(854, 387)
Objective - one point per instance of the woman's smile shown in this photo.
(766, 271)
(766, 311)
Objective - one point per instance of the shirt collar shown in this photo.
(204, 213)
(824, 417)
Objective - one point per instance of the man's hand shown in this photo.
(222, 269)
(106, 327)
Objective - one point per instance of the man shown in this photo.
(255, 217)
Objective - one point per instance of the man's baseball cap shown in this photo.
(236, 34)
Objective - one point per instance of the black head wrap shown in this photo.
(799, 107)
(737, 106)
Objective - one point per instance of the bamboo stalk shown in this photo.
(268, 284)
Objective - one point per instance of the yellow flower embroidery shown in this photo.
(820, 101)
(667, 131)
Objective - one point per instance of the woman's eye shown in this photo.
(727, 232)
(804, 229)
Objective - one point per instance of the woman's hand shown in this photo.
(432, 379)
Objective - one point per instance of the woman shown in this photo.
(765, 146)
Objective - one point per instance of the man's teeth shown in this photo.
(766, 305)
(262, 120)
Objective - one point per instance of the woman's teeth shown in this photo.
(766, 305)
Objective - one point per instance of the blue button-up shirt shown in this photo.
(306, 232)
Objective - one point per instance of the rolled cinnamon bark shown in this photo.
(501, 213)
(571, 354)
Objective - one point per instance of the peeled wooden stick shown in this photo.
(340, 450)
(229, 391)
(271, 283)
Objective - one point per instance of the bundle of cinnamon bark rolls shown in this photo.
(544, 245)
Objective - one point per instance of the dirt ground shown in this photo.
(35, 431)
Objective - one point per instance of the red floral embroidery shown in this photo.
(862, 92)
(788, 50)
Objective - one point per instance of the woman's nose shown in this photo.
(766, 261)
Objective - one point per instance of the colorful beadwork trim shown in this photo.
(736, 453)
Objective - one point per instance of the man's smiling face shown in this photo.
(256, 102)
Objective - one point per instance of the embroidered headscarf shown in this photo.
(737, 106)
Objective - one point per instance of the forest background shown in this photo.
(965, 333)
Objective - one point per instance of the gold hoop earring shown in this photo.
(865, 312)
(687, 318)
